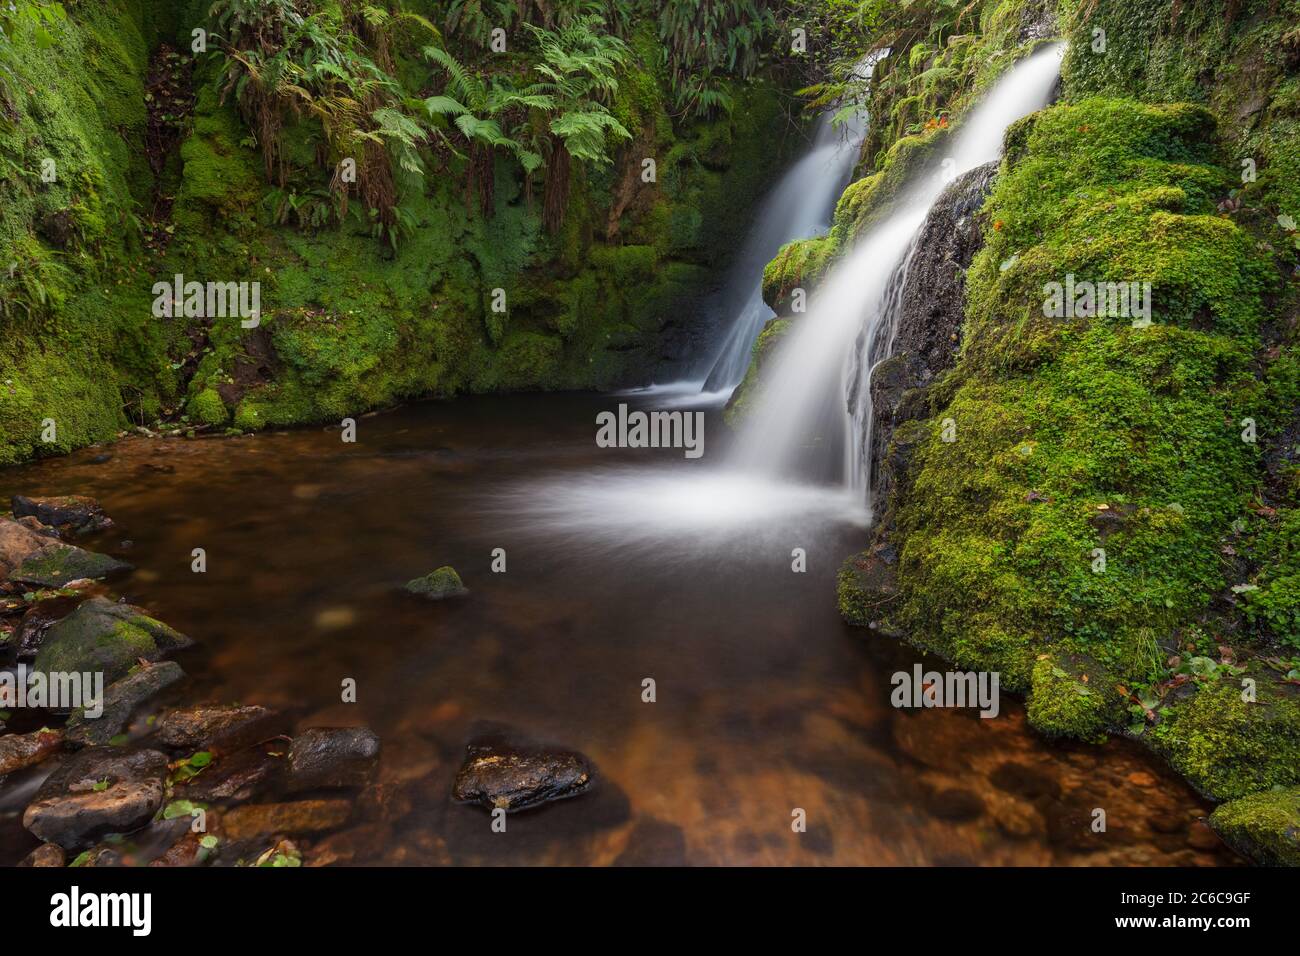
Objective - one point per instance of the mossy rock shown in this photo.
(437, 585)
(1265, 827)
(56, 565)
(1070, 701)
(100, 636)
(1228, 747)
(866, 586)
(746, 393)
(207, 408)
(799, 265)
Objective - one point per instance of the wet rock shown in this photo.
(223, 728)
(72, 514)
(44, 531)
(359, 841)
(187, 851)
(931, 309)
(25, 750)
(239, 776)
(867, 588)
(329, 757)
(1264, 827)
(40, 617)
(515, 774)
(47, 854)
(102, 636)
(58, 564)
(437, 585)
(120, 701)
(300, 816)
(17, 544)
(96, 792)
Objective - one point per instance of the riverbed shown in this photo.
(765, 702)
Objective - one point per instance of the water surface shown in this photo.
(621, 566)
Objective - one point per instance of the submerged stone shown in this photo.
(508, 774)
(120, 700)
(439, 584)
(327, 757)
(100, 636)
(300, 816)
(98, 791)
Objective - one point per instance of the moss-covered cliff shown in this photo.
(1110, 525)
(157, 172)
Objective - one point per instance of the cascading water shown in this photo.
(802, 423)
(813, 415)
(798, 207)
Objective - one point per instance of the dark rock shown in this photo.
(510, 774)
(96, 792)
(1106, 521)
(120, 701)
(1038, 22)
(187, 851)
(47, 854)
(331, 757)
(220, 728)
(239, 776)
(44, 531)
(25, 750)
(58, 564)
(1022, 780)
(868, 587)
(102, 636)
(436, 585)
(271, 819)
(74, 514)
(40, 617)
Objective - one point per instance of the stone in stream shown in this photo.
(501, 772)
(24, 750)
(224, 728)
(332, 757)
(436, 585)
(47, 854)
(40, 617)
(98, 791)
(73, 514)
(28, 557)
(100, 636)
(251, 822)
(239, 776)
(120, 701)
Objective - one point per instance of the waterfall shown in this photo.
(799, 206)
(815, 399)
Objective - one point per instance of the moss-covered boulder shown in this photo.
(441, 583)
(746, 394)
(57, 564)
(1227, 744)
(799, 265)
(1072, 699)
(100, 636)
(1264, 827)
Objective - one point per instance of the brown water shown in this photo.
(766, 701)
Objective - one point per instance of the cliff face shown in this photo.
(157, 172)
(1099, 508)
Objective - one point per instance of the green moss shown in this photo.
(441, 583)
(1263, 826)
(1229, 747)
(206, 407)
(746, 394)
(1072, 701)
(799, 265)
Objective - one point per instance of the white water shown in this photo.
(801, 422)
(800, 206)
(804, 422)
